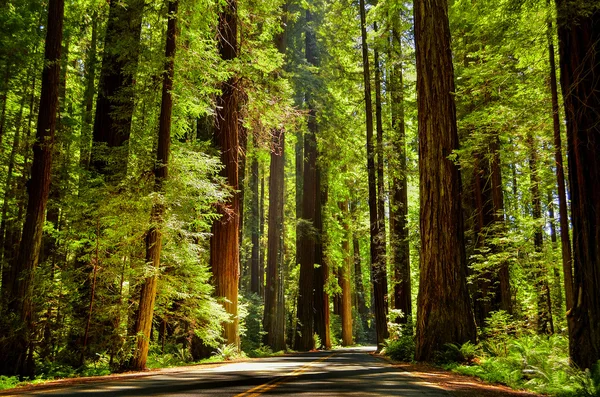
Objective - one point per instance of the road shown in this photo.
(343, 372)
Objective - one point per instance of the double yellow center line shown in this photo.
(273, 383)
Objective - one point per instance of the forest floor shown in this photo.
(458, 385)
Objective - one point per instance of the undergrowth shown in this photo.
(534, 362)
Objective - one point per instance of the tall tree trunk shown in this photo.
(345, 279)
(9, 194)
(18, 357)
(579, 39)
(306, 244)
(399, 191)
(143, 324)
(261, 233)
(224, 249)
(10, 246)
(444, 314)
(88, 97)
(254, 222)
(545, 323)
(115, 102)
(503, 298)
(380, 167)
(554, 240)
(359, 288)
(321, 297)
(565, 241)
(274, 316)
(378, 270)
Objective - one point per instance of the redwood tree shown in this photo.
(378, 271)
(306, 250)
(444, 310)
(399, 190)
(274, 315)
(17, 352)
(143, 323)
(579, 38)
(224, 247)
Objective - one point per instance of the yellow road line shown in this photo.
(273, 383)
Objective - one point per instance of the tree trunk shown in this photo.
(274, 317)
(378, 270)
(579, 39)
(115, 102)
(503, 297)
(321, 298)
(380, 168)
(567, 261)
(444, 314)
(88, 97)
(306, 244)
(261, 233)
(254, 222)
(9, 194)
(399, 192)
(143, 324)
(344, 279)
(18, 358)
(11, 235)
(545, 323)
(224, 249)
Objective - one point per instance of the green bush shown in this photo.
(401, 348)
(453, 353)
(8, 382)
(537, 363)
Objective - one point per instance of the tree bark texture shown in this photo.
(444, 311)
(274, 317)
(321, 297)
(378, 270)
(345, 279)
(224, 249)
(16, 358)
(274, 313)
(254, 224)
(306, 244)
(380, 166)
(143, 324)
(579, 39)
(399, 191)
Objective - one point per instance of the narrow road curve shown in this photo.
(343, 372)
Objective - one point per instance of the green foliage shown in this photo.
(173, 355)
(250, 312)
(8, 382)
(454, 353)
(536, 363)
(400, 349)
(226, 352)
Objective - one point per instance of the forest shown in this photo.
(187, 179)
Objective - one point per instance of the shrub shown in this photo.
(400, 349)
(226, 352)
(8, 382)
(453, 353)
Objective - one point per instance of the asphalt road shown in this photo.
(344, 372)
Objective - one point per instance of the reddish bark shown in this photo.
(444, 311)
